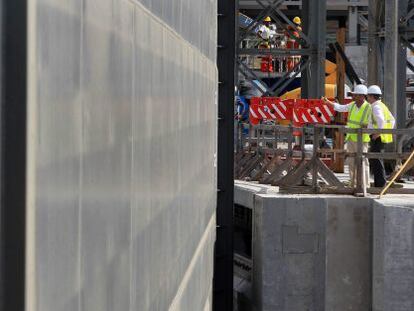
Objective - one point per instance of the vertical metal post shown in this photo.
(359, 163)
(339, 139)
(314, 22)
(223, 264)
(395, 58)
(353, 25)
(375, 11)
(316, 134)
(13, 154)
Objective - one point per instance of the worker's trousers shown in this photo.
(377, 165)
(352, 146)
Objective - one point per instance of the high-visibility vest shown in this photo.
(385, 138)
(358, 119)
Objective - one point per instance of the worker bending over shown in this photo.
(359, 115)
(381, 119)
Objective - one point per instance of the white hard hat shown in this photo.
(374, 90)
(360, 89)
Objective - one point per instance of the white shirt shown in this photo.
(378, 115)
(265, 32)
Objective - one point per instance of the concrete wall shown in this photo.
(348, 254)
(330, 252)
(288, 254)
(121, 152)
(393, 256)
(311, 253)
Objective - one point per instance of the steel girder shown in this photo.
(313, 47)
(389, 38)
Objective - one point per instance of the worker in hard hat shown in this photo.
(359, 115)
(265, 30)
(292, 36)
(297, 21)
(382, 118)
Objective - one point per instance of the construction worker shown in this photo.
(266, 31)
(298, 22)
(267, 21)
(292, 34)
(359, 115)
(381, 119)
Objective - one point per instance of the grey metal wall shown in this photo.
(121, 154)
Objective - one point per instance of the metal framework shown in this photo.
(390, 34)
(223, 265)
(267, 161)
(312, 47)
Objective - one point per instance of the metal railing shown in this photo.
(268, 154)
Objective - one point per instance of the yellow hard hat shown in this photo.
(268, 19)
(297, 20)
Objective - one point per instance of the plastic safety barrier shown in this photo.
(298, 111)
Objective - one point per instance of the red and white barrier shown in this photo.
(300, 111)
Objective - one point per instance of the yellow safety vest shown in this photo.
(385, 138)
(358, 119)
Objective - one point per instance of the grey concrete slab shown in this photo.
(312, 253)
(331, 252)
(289, 253)
(348, 254)
(393, 255)
(244, 192)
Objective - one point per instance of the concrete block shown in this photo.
(311, 253)
(393, 256)
(348, 254)
(245, 192)
(289, 253)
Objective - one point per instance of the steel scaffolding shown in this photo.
(390, 34)
(311, 50)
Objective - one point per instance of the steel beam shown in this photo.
(395, 61)
(259, 18)
(246, 71)
(314, 22)
(409, 15)
(375, 62)
(226, 54)
(274, 52)
(353, 20)
(304, 64)
(296, 70)
(13, 154)
(271, 8)
(333, 5)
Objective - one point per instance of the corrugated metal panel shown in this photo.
(121, 154)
